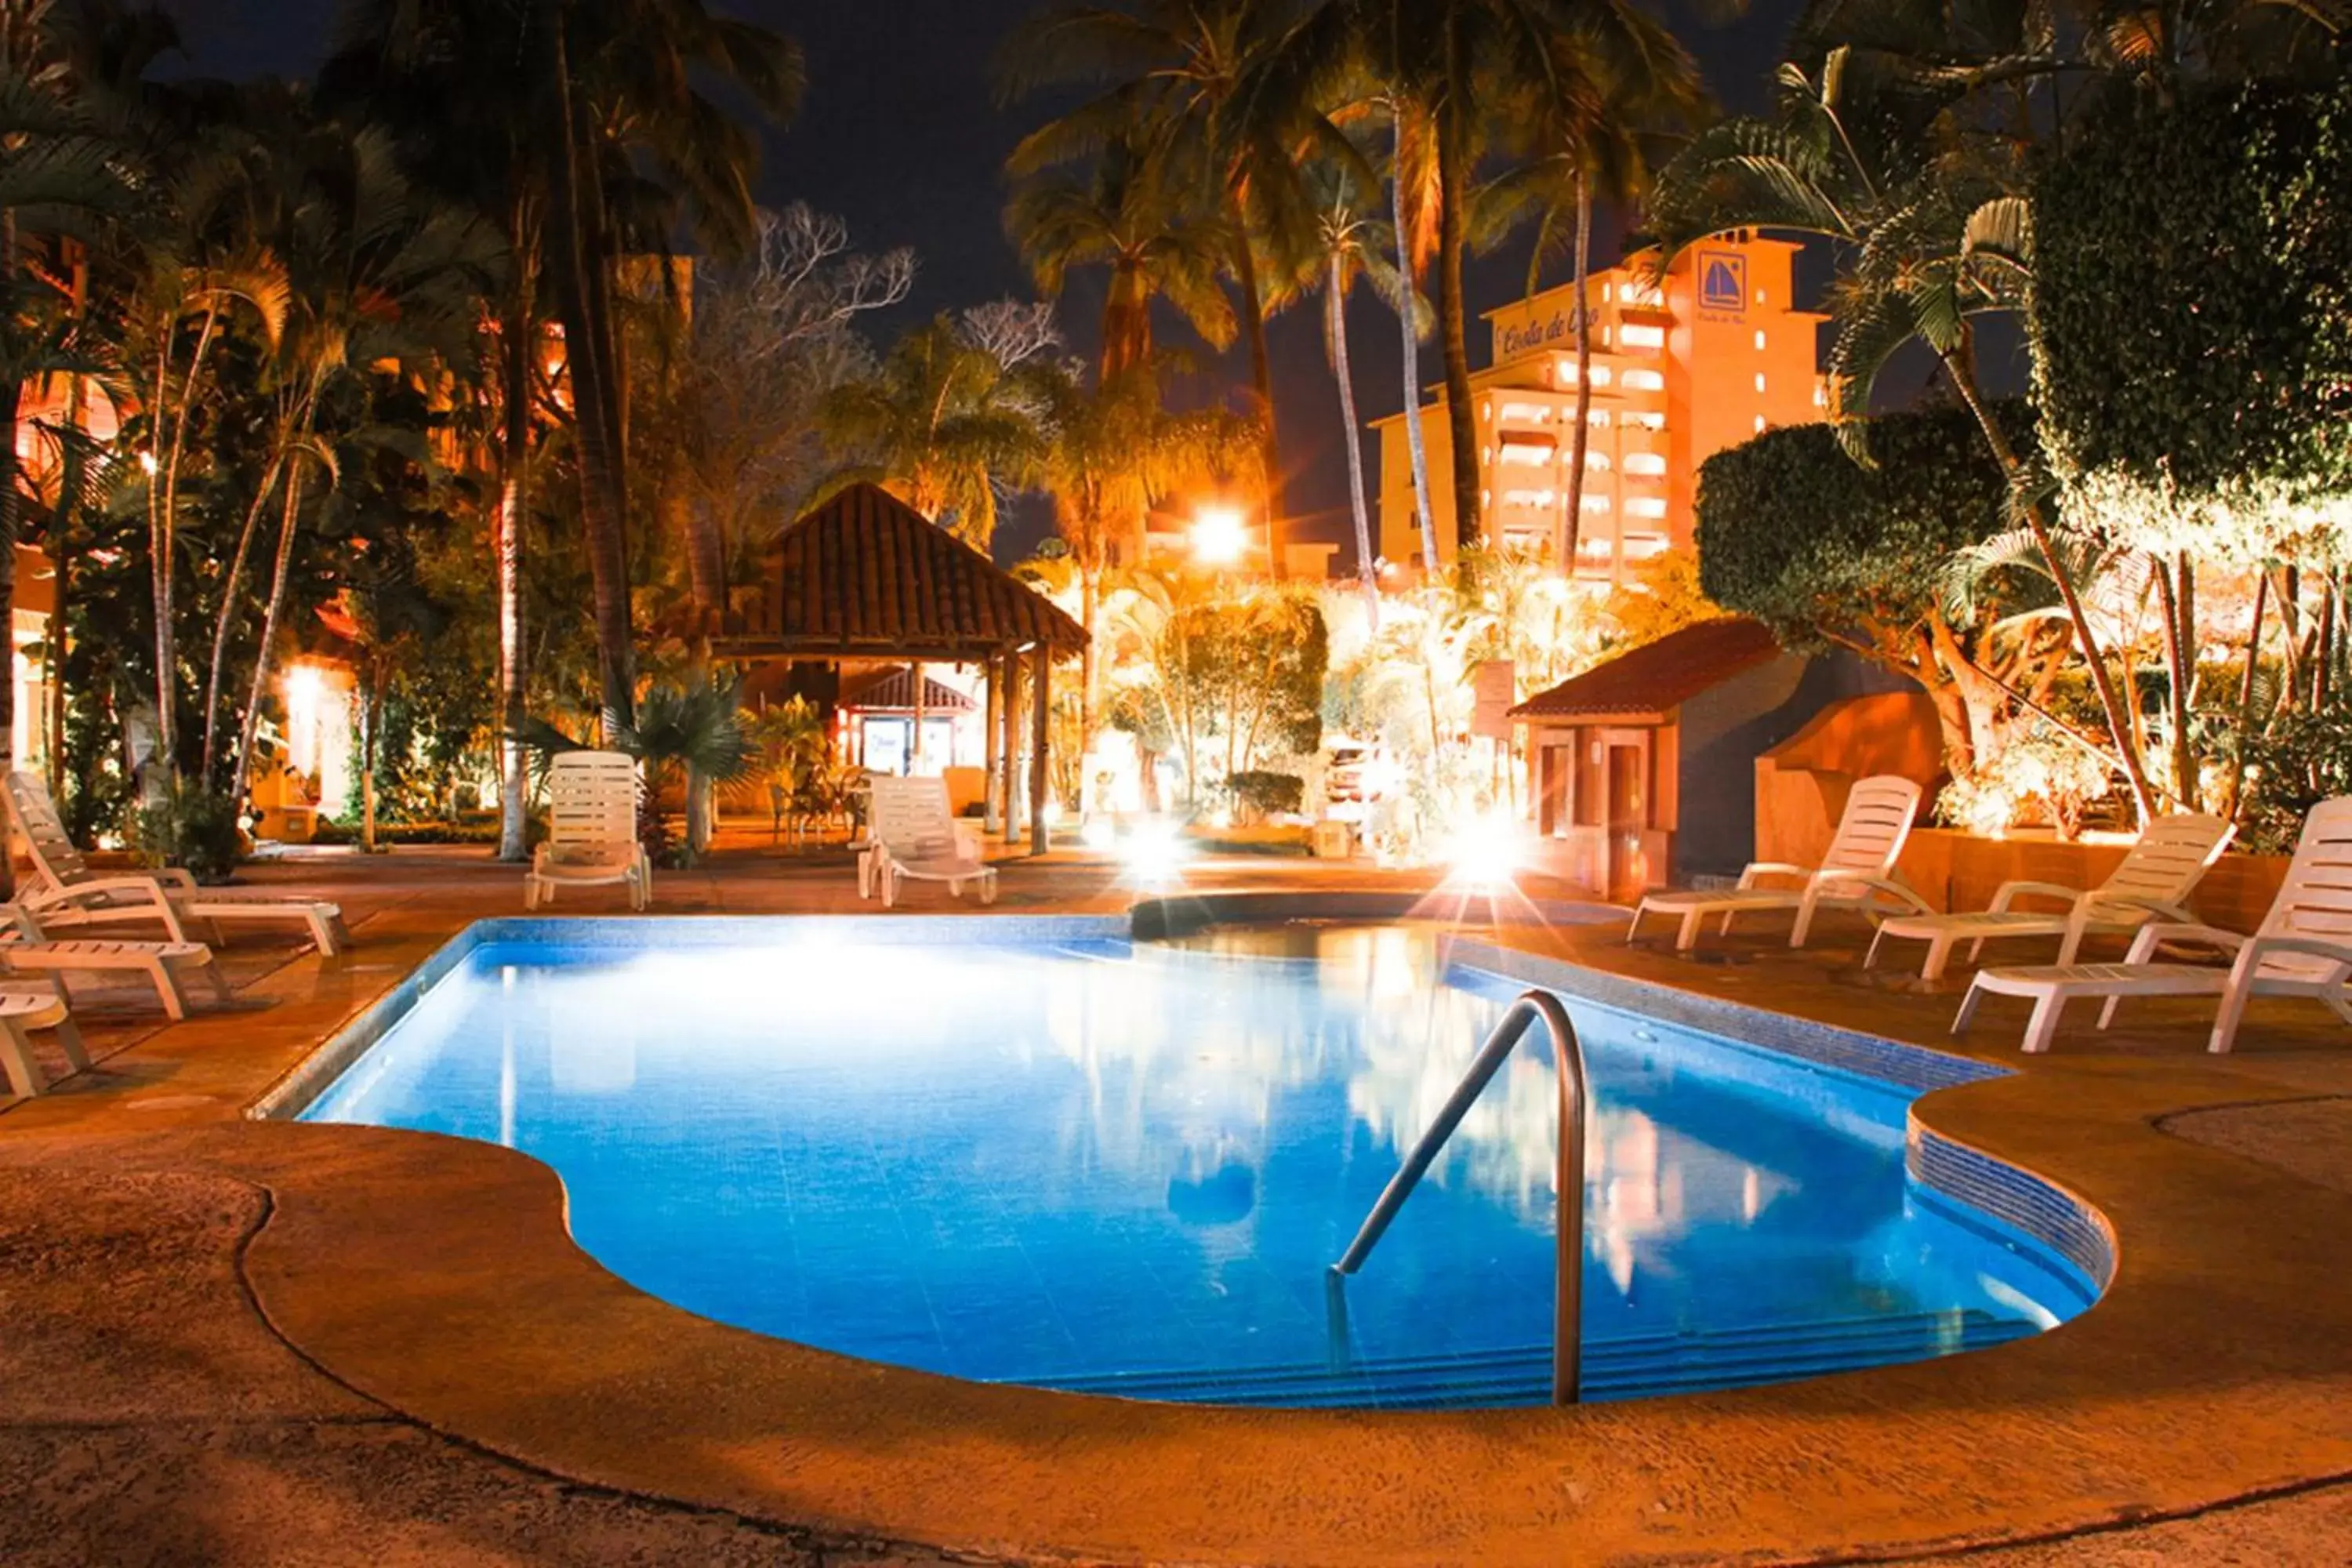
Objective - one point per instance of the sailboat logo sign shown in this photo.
(1722, 282)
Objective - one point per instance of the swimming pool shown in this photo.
(1086, 1163)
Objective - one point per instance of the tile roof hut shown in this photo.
(1645, 766)
(866, 577)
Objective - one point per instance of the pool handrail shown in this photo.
(1568, 1263)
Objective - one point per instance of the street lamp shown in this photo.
(1219, 535)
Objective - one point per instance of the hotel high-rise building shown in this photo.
(1707, 357)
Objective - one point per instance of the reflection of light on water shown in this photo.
(2018, 1302)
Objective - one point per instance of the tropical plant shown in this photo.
(942, 423)
(1933, 225)
(1126, 211)
(1169, 74)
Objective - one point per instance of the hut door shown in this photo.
(1628, 873)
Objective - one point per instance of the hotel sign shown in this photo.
(1722, 285)
(1529, 331)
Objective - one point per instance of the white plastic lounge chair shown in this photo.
(912, 835)
(25, 1008)
(592, 829)
(26, 948)
(2155, 878)
(65, 892)
(1856, 873)
(2303, 947)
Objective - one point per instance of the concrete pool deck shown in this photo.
(231, 1342)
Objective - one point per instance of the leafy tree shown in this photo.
(1827, 553)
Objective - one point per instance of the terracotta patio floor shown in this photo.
(194, 1308)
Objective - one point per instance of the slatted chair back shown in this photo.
(1876, 822)
(908, 817)
(2315, 898)
(591, 805)
(2170, 858)
(55, 855)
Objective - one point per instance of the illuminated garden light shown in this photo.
(1219, 535)
(1155, 854)
(1489, 852)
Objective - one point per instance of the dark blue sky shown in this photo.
(901, 135)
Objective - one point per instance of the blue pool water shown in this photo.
(1126, 1169)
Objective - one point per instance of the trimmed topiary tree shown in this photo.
(1829, 553)
(2191, 322)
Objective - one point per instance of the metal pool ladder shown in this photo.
(1568, 1246)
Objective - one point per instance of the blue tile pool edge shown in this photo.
(292, 1094)
(2038, 1207)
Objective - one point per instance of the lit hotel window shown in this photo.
(1650, 463)
(1820, 397)
(1636, 380)
(1599, 374)
(1598, 549)
(1759, 295)
(1526, 413)
(1598, 420)
(1643, 546)
(1759, 380)
(1642, 337)
(1759, 425)
(1530, 498)
(1759, 340)
(1597, 462)
(1646, 506)
(1529, 454)
(1636, 420)
(1595, 503)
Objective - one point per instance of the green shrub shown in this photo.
(192, 828)
(1262, 793)
(2304, 759)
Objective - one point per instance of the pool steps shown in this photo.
(1638, 1367)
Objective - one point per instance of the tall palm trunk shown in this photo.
(2119, 725)
(1582, 440)
(513, 513)
(231, 586)
(1335, 336)
(1415, 438)
(594, 416)
(1462, 422)
(1262, 384)
(163, 528)
(291, 519)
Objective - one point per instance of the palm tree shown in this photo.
(1174, 69)
(1113, 452)
(376, 277)
(610, 96)
(1349, 245)
(942, 423)
(1442, 66)
(1124, 213)
(57, 171)
(1936, 233)
(1623, 86)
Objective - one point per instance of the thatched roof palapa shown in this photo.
(867, 575)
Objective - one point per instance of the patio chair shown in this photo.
(24, 1008)
(2155, 878)
(1856, 873)
(65, 892)
(911, 834)
(26, 948)
(592, 830)
(2303, 948)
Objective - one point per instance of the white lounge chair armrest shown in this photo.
(2144, 945)
(2098, 906)
(2258, 948)
(1761, 869)
(1890, 886)
(2007, 893)
(968, 839)
(102, 886)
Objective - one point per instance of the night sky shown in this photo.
(901, 135)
